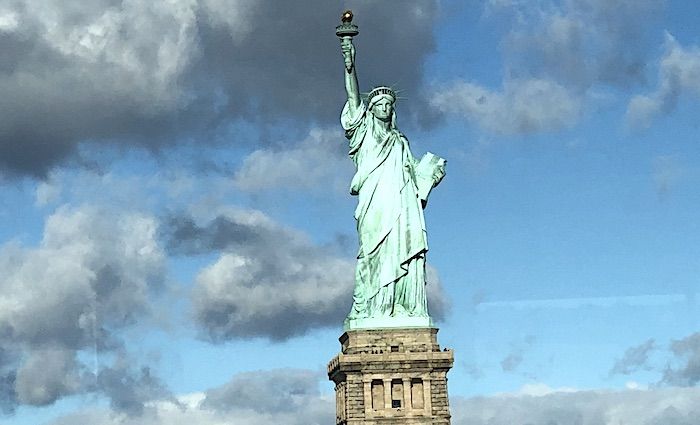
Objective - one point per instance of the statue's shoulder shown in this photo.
(399, 134)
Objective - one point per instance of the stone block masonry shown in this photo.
(391, 376)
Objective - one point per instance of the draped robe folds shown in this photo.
(390, 274)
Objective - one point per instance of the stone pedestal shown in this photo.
(391, 376)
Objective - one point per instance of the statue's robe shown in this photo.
(390, 274)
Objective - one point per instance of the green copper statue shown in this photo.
(392, 189)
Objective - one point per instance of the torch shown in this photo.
(346, 31)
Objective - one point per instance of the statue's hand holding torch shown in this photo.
(348, 52)
(346, 31)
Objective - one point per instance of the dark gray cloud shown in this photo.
(186, 237)
(635, 359)
(129, 390)
(282, 396)
(147, 74)
(685, 370)
(46, 376)
(269, 281)
(679, 75)
(92, 274)
(273, 391)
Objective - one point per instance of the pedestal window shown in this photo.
(417, 393)
(377, 394)
(396, 393)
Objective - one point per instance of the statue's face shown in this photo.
(383, 109)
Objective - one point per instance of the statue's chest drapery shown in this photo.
(386, 189)
(384, 153)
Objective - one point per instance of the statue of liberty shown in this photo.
(392, 189)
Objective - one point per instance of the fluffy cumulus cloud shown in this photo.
(128, 389)
(151, 73)
(46, 375)
(91, 275)
(679, 74)
(282, 390)
(269, 280)
(315, 161)
(555, 54)
(284, 396)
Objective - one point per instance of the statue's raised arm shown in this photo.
(346, 31)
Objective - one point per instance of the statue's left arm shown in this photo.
(429, 172)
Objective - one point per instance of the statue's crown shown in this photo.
(379, 91)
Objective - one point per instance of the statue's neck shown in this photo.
(384, 125)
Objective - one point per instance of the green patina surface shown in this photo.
(392, 187)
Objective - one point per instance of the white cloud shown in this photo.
(317, 161)
(269, 281)
(523, 107)
(235, 15)
(114, 39)
(679, 75)
(47, 375)
(155, 74)
(8, 21)
(90, 276)
(87, 255)
(47, 192)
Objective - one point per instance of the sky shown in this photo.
(177, 242)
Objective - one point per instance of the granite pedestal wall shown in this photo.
(391, 376)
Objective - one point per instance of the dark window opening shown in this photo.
(396, 393)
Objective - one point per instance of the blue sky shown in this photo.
(176, 234)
